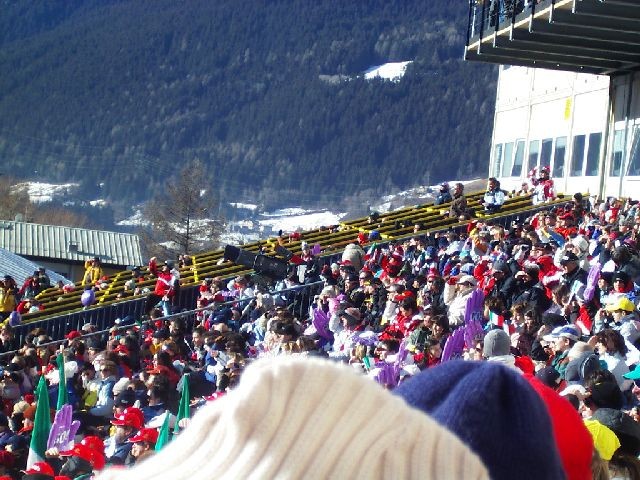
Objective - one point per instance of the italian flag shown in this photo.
(41, 427)
(498, 321)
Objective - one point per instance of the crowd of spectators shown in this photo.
(521, 342)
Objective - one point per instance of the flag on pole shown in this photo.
(165, 432)
(41, 425)
(495, 319)
(500, 322)
(183, 409)
(63, 395)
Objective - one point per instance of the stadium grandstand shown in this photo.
(502, 325)
(62, 310)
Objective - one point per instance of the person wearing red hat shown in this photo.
(144, 443)
(80, 462)
(39, 471)
(117, 448)
(95, 444)
(572, 438)
(72, 335)
(7, 461)
(543, 188)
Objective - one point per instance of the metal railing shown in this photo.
(297, 299)
(486, 16)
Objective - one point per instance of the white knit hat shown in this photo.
(297, 417)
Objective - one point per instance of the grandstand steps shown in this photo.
(393, 226)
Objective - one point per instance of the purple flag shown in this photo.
(321, 322)
(592, 282)
(454, 345)
(475, 306)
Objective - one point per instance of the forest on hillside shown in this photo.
(269, 95)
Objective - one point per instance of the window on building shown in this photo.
(558, 157)
(534, 149)
(497, 159)
(545, 152)
(517, 159)
(634, 157)
(618, 153)
(507, 160)
(577, 155)
(593, 154)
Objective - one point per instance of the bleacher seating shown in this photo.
(391, 226)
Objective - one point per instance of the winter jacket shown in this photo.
(92, 273)
(531, 293)
(457, 303)
(7, 300)
(494, 199)
(458, 206)
(443, 197)
(104, 404)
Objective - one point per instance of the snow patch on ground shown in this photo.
(134, 220)
(292, 219)
(40, 192)
(388, 71)
(246, 206)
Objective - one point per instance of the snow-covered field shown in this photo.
(387, 71)
(292, 219)
(265, 224)
(40, 192)
(134, 220)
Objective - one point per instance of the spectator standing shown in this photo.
(164, 288)
(458, 207)
(444, 195)
(92, 271)
(543, 188)
(7, 299)
(494, 197)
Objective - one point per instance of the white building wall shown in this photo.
(550, 118)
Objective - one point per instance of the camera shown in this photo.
(262, 264)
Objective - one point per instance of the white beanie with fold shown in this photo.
(293, 417)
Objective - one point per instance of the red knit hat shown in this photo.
(573, 440)
(525, 363)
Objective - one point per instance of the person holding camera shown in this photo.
(529, 290)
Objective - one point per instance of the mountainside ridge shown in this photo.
(122, 92)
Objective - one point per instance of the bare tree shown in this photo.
(13, 201)
(55, 215)
(182, 213)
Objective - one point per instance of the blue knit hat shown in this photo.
(494, 411)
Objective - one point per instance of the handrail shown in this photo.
(306, 288)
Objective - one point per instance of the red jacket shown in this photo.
(164, 283)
